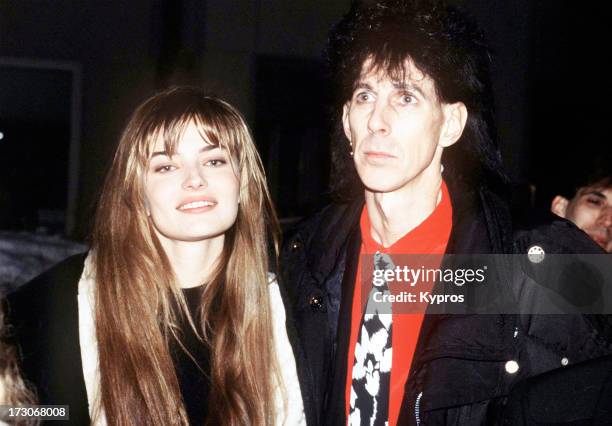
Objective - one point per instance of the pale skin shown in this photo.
(193, 263)
(591, 211)
(192, 200)
(398, 132)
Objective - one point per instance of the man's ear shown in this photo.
(345, 121)
(559, 205)
(455, 117)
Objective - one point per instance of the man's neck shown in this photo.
(393, 214)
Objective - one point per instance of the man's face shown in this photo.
(398, 129)
(591, 211)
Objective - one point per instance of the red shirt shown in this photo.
(429, 237)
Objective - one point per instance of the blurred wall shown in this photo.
(127, 50)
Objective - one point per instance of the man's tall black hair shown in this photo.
(442, 42)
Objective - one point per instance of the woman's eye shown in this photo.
(164, 169)
(215, 163)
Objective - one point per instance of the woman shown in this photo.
(178, 320)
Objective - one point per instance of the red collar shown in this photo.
(430, 236)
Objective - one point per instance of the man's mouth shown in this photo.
(379, 154)
(599, 239)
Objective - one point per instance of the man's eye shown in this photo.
(217, 162)
(363, 97)
(595, 201)
(407, 98)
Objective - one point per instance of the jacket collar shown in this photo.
(481, 224)
(481, 221)
(327, 237)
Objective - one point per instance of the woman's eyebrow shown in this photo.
(156, 153)
(209, 147)
(203, 149)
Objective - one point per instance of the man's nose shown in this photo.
(378, 121)
(194, 179)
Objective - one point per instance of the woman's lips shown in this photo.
(197, 206)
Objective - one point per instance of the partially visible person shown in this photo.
(590, 208)
(13, 390)
(172, 318)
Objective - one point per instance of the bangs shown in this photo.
(392, 62)
(217, 125)
(397, 68)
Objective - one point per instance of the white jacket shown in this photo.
(294, 414)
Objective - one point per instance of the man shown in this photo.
(590, 208)
(418, 168)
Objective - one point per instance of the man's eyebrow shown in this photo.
(595, 192)
(206, 148)
(396, 84)
(402, 85)
(363, 85)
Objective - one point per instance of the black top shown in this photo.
(193, 371)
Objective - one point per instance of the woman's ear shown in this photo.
(455, 117)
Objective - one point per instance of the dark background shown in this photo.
(74, 70)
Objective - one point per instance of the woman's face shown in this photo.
(193, 195)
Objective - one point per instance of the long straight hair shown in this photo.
(138, 300)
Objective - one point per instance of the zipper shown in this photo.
(417, 408)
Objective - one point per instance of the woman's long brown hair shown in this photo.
(137, 298)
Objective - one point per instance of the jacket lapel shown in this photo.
(336, 400)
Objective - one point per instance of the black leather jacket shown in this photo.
(459, 373)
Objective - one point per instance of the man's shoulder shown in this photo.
(554, 235)
(333, 220)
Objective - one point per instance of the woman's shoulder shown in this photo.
(276, 300)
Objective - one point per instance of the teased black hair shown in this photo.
(443, 43)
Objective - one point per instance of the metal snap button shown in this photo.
(511, 367)
(316, 302)
(296, 245)
(564, 361)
